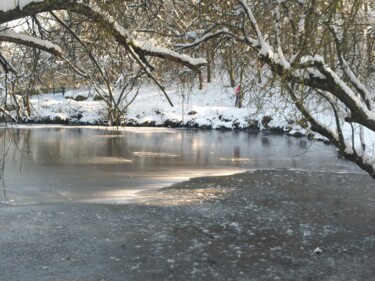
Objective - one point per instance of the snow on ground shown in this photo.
(55, 107)
(213, 107)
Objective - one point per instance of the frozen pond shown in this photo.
(80, 164)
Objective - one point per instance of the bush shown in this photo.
(80, 98)
(97, 98)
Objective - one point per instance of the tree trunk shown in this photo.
(231, 71)
(208, 55)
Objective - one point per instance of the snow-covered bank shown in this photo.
(210, 108)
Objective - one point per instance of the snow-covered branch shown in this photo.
(146, 48)
(347, 149)
(284, 62)
(359, 86)
(44, 45)
(353, 79)
(210, 35)
(96, 14)
(321, 76)
(145, 68)
(313, 72)
(23, 39)
(254, 23)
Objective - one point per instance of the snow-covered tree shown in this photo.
(323, 54)
(101, 41)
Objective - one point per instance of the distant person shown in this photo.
(238, 96)
(63, 88)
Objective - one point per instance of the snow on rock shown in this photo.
(318, 251)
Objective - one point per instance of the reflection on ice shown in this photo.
(153, 154)
(119, 196)
(235, 159)
(106, 165)
(106, 160)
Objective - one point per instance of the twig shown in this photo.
(229, 222)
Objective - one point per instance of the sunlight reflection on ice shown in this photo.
(153, 154)
(74, 164)
(235, 159)
(106, 160)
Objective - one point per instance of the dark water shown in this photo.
(70, 164)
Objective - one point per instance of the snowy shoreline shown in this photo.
(172, 124)
(211, 108)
